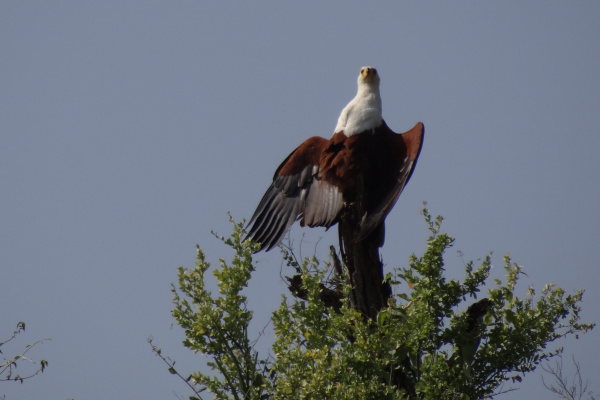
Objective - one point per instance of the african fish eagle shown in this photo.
(363, 159)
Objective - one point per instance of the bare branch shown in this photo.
(569, 389)
(9, 365)
(172, 369)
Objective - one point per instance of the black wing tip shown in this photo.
(267, 231)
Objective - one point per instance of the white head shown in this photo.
(363, 113)
(368, 78)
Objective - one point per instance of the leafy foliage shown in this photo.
(435, 339)
(218, 326)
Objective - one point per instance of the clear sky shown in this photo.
(128, 130)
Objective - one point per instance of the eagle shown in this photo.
(363, 161)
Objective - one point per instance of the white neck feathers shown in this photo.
(364, 111)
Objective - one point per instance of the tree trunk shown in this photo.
(365, 270)
(369, 293)
(364, 267)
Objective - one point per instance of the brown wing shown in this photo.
(403, 150)
(297, 192)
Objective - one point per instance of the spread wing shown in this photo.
(297, 192)
(405, 148)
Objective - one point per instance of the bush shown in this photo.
(436, 338)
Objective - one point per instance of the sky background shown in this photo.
(128, 130)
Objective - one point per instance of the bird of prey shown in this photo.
(363, 161)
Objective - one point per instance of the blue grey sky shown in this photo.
(128, 130)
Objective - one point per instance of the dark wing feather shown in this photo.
(407, 147)
(297, 192)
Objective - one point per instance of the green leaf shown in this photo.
(428, 343)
